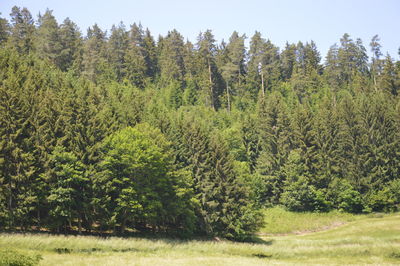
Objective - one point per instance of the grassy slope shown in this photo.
(280, 221)
(362, 241)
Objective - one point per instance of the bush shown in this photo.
(301, 196)
(387, 199)
(15, 258)
(344, 197)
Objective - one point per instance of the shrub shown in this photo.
(344, 197)
(301, 196)
(387, 199)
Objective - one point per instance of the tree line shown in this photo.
(115, 131)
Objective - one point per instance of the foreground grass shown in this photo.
(366, 240)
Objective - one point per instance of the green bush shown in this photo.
(16, 258)
(301, 196)
(387, 199)
(344, 197)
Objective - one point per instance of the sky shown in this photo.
(281, 21)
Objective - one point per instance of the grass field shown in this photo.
(373, 239)
(280, 221)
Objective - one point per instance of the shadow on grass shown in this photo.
(155, 237)
(257, 240)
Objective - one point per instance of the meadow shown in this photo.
(287, 238)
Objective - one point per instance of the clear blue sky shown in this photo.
(323, 21)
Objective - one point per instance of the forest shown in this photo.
(117, 131)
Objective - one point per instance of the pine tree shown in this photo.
(224, 207)
(275, 141)
(48, 42)
(233, 70)
(226, 204)
(94, 60)
(327, 133)
(302, 126)
(306, 70)
(22, 29)
(171, 62)
(255, 77)
(137, 61)
(150, 48)
(71, 41)
(208, 73)
(116, 50)
(17, 161)
(288, 59)
(4, 30)
(378, 164)
(67, 185)
(376, 65)
(388, 80)
(332, 68)
(350, 141)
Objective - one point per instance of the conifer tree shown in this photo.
(275, 141)
(327, 133)
(137, 61)
(350, 142)
(22, 29)
(288, 59)
(224, 207)
(208, 76)
(376, 64)
(71, 41)
(67, 185)
(255, 77)
(150, 48)
(171, 52)
(388, 81)
(116, 50)
(17, 161)
(4, 30)
(48, 42)
(233, 70)
(94, 59)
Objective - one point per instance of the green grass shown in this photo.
(363, 240)
(281, 221)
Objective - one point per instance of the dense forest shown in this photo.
(118, 132)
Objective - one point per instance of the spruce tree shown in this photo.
(4, 30)
(116, 50)
(17, 160)
(22, 29)
(94, 62)
(72, 42)
(208, 72)
(66, 180)
(137, 61)
(48, 42)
